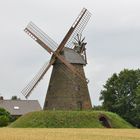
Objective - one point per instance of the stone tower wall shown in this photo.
(67, 91)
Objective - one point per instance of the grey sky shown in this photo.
(112, 35)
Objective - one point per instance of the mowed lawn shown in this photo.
(68, 134)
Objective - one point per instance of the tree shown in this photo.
(136, 110)
(98, 107)
(121, 94)
(5, 117)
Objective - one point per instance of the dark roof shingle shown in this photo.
(20, 107)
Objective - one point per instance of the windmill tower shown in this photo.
(68, 88)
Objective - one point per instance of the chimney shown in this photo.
(1, 97)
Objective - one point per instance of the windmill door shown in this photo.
(79, 105)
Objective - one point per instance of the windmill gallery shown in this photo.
(68, 89)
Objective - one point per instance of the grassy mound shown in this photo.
(69, 119)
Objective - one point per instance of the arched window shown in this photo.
(77, 88)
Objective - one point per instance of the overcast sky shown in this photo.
(113, 36)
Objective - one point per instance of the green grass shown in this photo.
(68, 119)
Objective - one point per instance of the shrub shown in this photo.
(4, 120)
(5, 117)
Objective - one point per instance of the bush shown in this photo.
(99, 107)
(4, 120)
(5, 117)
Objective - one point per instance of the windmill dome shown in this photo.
(72, 57)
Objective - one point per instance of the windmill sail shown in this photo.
(32, 84)
(79, 26)
(40, 37)
(76, 28)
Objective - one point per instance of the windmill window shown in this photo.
(77, 88)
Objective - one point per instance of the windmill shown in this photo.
(68, 88)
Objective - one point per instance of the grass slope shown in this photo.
(68, 119)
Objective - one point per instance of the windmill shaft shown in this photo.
(62, 44)
(79, 18)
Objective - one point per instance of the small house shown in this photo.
(20, 107)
